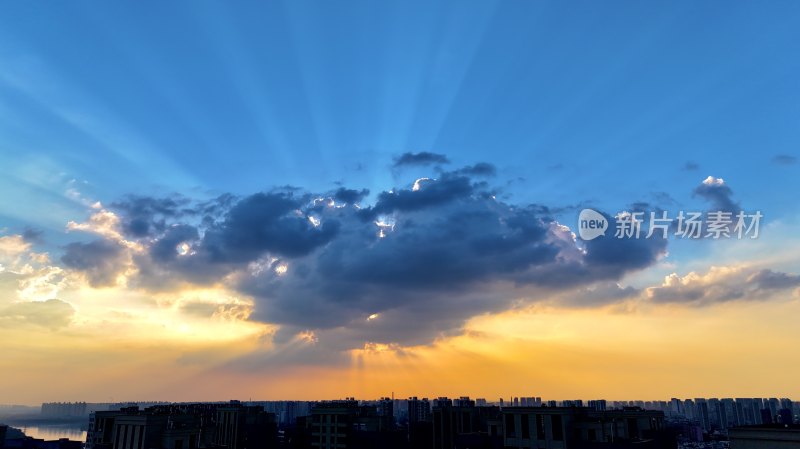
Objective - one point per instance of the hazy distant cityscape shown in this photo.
(435, 423)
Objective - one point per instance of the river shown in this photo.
(49, 432)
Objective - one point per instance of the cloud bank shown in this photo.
(407, 267)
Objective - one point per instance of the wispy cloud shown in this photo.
(691, 166)
(784, 159)
(423, 158)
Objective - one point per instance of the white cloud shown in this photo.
(712, 181)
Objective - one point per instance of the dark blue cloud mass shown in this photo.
(718, 194)
(422, 258)
(420, 159)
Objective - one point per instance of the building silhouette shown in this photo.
(419, 410)
(457, 423)
(442, 423)
(183, 426)
(64, 409)
(775, 436)
(348, 425)
(578, 428)
(245, 427)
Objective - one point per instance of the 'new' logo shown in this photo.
(591, 224)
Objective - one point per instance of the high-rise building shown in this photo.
(386, 411)
(773, 405)
(245, 427)
(598, 404)
(689, 409)
(531, 401)
(463, 401)
(676, 407)
(183, 426)
(419, 410)
(420, 422)
(347, 425)
(728, 409)
(565, 428)
(100, 432)
(756, 404)
(144, 430)
(64, 409)
(463, 426)
(764, 437)
(702, 414)
(332, 424)
(572, 403)
(442, 402)
(716, 413)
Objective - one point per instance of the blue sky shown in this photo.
(571, 97)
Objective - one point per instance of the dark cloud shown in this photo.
(166, 248)
(434, 268)
(425, 258)
(143, 216)
(428, 261)
(266, 222)
(429, 193)
(599, 293)
(691, 166)
(640, 206)
(412, 266)
(611, 257)
(423, 158)
(774, 280)
(100, 260)
(784, 159)
(663, 199)
(52, 314)
(479, 169)
(350, 196)
(606, 258)
(232, 234)
(718, 194)
(33, 235)
(722, 284)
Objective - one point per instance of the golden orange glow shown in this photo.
(200, 343)
(551, 352)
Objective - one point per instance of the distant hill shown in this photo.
(14, 434)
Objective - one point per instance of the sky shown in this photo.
(312, 200)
